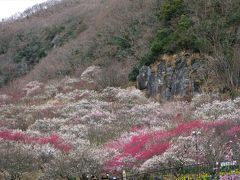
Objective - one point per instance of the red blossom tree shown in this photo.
(143, 146)
(54, 139)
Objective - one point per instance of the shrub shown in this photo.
(171, 9)
(133, 74)
(177, 37)
(163, 38)
(147, 59)
(176, 32)
(112, 76)
(121, 41)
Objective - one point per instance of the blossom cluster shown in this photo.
(219, 110)
(33, 88)
(19, 136)
(149, 147)
(115, 128)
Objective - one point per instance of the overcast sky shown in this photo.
(11, 7)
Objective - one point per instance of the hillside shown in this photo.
(121, 38)
(90, 87)
(69, 36)
(207, 28)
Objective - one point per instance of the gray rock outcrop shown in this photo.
(181, 78)
(91, 74)
(143, 77)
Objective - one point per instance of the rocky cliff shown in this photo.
(172, 76)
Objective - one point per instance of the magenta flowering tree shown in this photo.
(25, 152)
(19, 136)
(234, 131)
(132, 152)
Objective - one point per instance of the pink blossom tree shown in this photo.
(172, 146)
(19, 136)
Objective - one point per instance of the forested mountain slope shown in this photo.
(70, 35)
